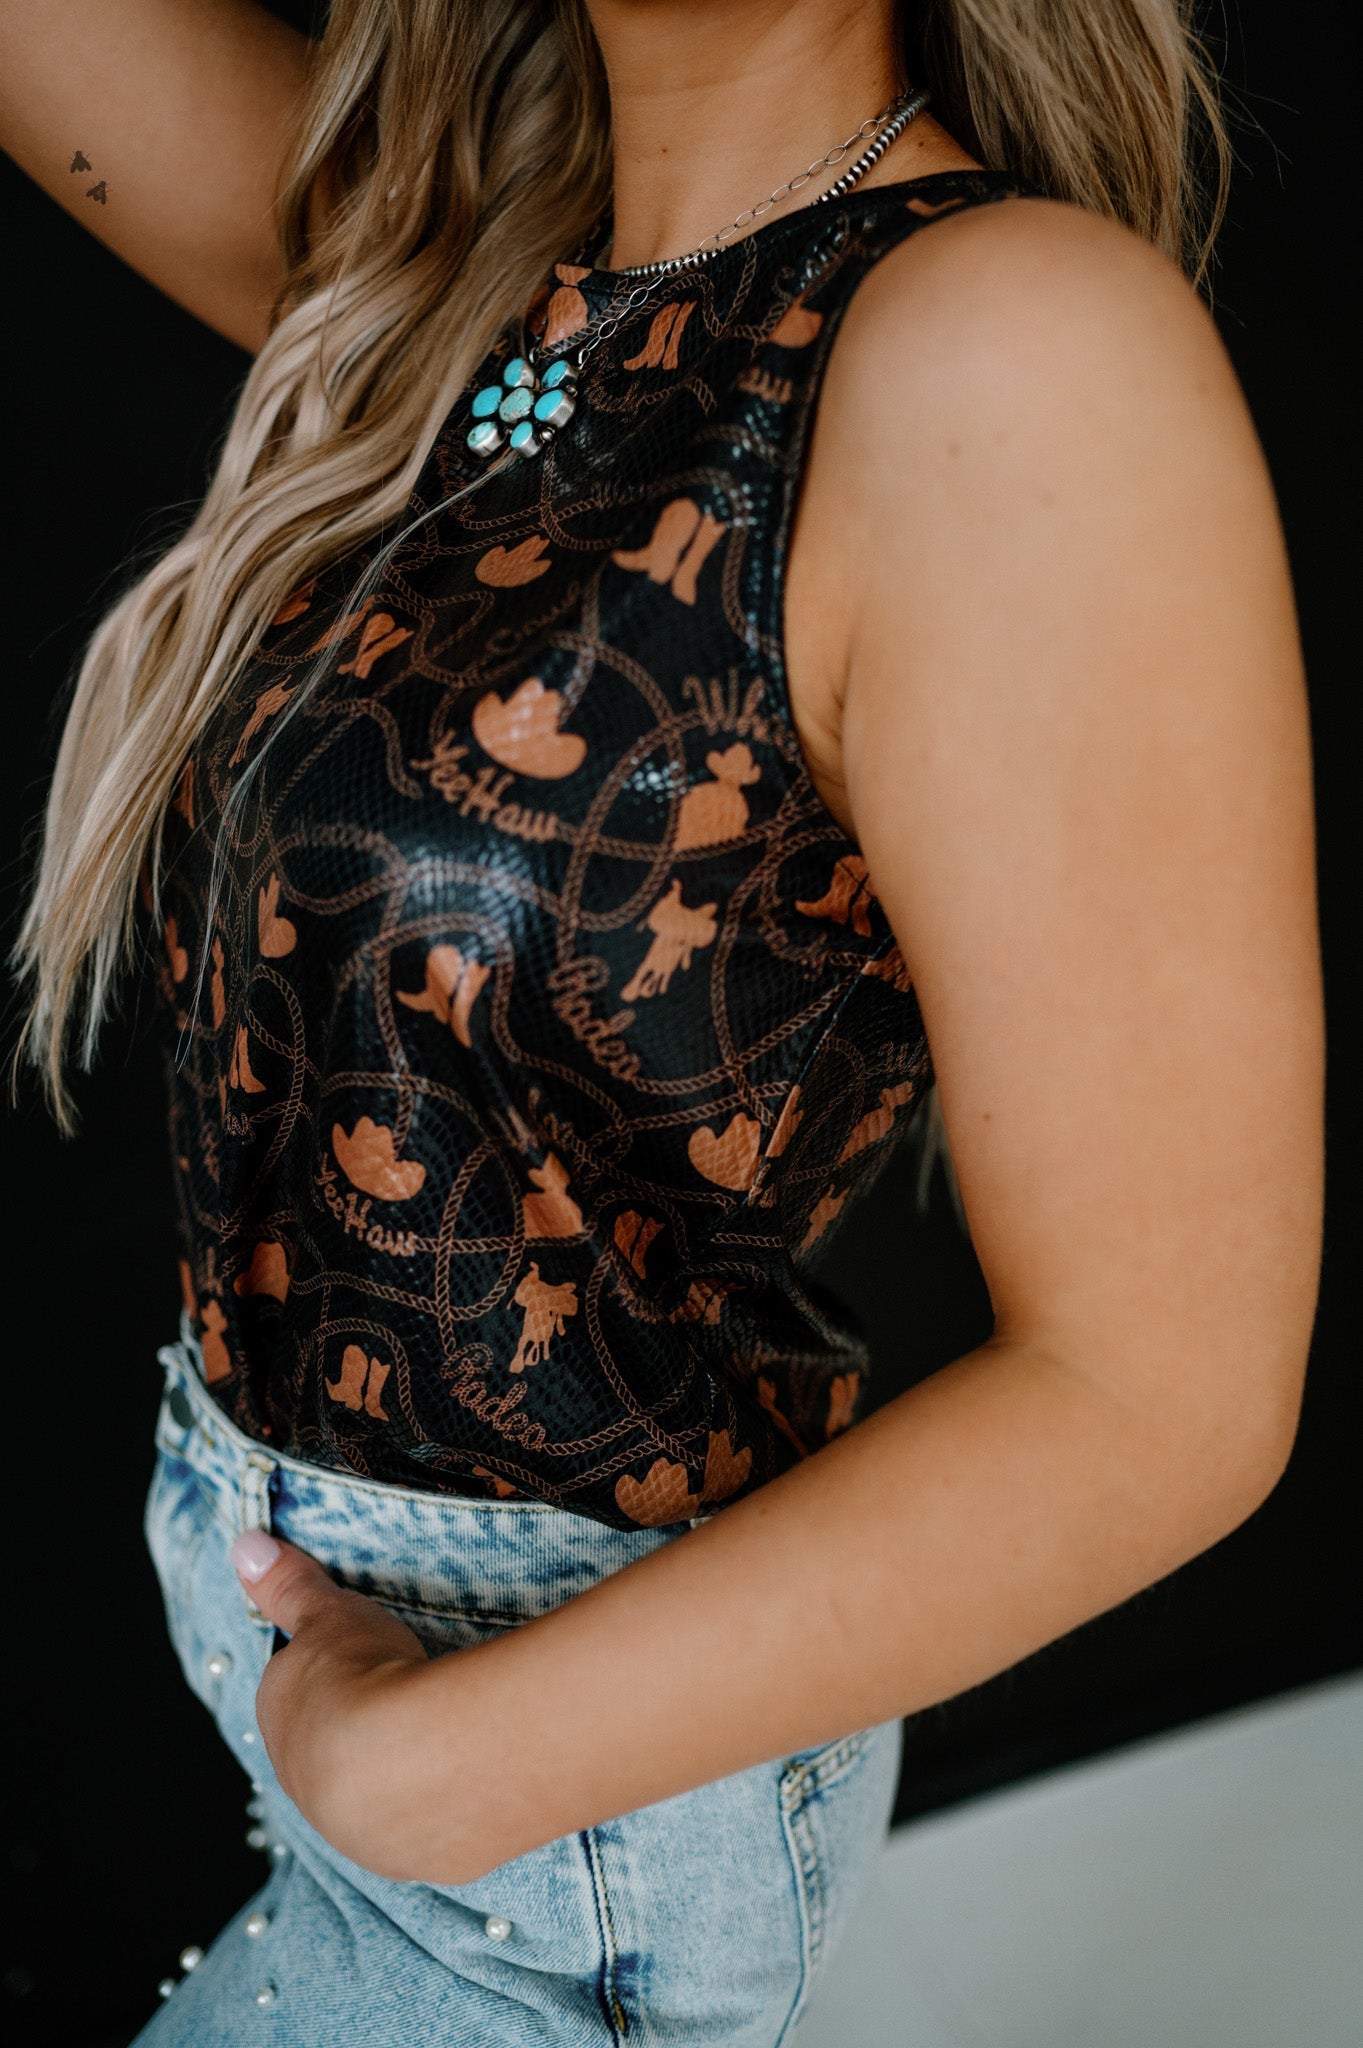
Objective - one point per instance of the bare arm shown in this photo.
(184, 108)
(1074, 749)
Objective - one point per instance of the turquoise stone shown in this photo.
(554, 408)
(532, 407)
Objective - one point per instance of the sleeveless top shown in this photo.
(547, 1020)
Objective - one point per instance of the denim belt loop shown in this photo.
(254, 1510)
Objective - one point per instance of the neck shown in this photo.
(714, 103)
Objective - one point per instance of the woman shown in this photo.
(633, 686)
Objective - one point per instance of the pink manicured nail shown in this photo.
(253, 1555)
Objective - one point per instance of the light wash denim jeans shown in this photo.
(702, 1919)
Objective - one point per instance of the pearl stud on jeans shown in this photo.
(266, 1995)
(256, 1924)
(190, 1958)
(496, 1928)
(219, 1664)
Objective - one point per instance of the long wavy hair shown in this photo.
(448, 152)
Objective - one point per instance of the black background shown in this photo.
(124, 1823)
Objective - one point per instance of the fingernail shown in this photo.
(253, 1555)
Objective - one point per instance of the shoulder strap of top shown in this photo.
(866, 227)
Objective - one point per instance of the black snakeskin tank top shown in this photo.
(547, 1019)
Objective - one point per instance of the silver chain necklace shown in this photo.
(538, 393)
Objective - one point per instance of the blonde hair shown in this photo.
(448, 153)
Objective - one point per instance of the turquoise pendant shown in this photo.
(526, 410)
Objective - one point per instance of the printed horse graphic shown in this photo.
(546, 1308)
(677, 933)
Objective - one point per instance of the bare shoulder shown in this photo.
(1023, 297)
(1061, 404)
(1027, 358)
(1028, 417)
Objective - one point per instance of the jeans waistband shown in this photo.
(495, 1562)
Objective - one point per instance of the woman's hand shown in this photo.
(340, 1710)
